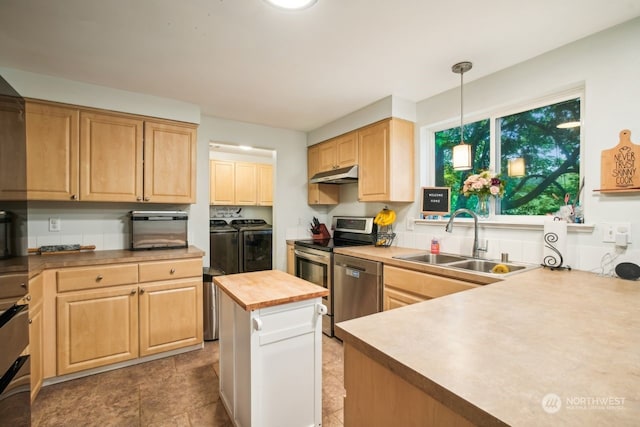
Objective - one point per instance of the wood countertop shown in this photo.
(493, 353)
(261, 289)
(37, 263)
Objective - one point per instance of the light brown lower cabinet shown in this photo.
(36, 334)
(101, 320)
(291, 259)
(377, 396)
(403, 287)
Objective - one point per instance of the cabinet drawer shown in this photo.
(174, 269)
(74, 279)
(425, 285)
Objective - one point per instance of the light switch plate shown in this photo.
(54, 224)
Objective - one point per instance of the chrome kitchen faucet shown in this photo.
(449, 229)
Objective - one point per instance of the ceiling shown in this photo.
(248, 61)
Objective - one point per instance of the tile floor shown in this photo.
(176, 391)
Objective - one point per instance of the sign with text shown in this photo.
(436, 200)
(620, 166)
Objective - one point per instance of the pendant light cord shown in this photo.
(461, 109)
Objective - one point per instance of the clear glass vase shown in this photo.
(482, 207)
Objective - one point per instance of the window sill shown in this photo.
(505, 224)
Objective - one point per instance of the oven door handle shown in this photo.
(310, 257)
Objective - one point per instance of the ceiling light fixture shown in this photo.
(568, 125)
(462, 152)
(292, 4)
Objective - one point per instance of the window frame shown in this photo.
(427, 163)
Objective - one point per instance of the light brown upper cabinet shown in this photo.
(169, 163)
(240, 183)
(338, 152)
(386, 162)
(52, 151)
(319, 194)
(76, 153)
(265, 185)
(111, 150)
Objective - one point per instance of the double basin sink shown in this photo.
(467, 263)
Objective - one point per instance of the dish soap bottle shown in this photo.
(435, 245)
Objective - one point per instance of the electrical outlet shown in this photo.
(609, 231)
(410, 224)
(55, 224)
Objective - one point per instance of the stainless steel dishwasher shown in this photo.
(357, 287)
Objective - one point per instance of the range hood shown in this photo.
(338, 176)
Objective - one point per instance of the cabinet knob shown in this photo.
(146, 199)
(74, 197)
(23, 285)
(30, 321)
(99, 278)
(142, 290)
(133, 292)
(28, 298)
(257, 324)
(139, 198)
(173, 270)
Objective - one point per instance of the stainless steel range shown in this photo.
(314, 258)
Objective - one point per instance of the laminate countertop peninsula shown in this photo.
(539, 348)
(260, 289)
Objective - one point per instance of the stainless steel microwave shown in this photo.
(158, 230)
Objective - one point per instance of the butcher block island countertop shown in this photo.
(495, 354)
(260, 289)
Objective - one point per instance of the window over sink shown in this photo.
(535, 150)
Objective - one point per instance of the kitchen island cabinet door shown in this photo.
(169, 163)
(170, 315)
(111, 150)
(271, 363)
(97, 328)
(52, 151)
(386, 162)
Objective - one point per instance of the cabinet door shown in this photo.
(97, 328)
(327, 156)
(222, 182)
(265, 185)
(170, 315)
(373, 163)
(36, 334)
(347, 150)
(386, 162)
(319, 194)
(52, 151)
(402, 287)
(246, 184)
(110, 158)
(169, 163)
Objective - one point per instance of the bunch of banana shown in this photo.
(500, 268)
(385, 217)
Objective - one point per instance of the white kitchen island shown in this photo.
(271, 349)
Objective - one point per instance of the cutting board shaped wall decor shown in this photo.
(620, 164)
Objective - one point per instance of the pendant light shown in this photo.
(462, 152)
(516, 167)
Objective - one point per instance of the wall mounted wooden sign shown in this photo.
(436, 200)
(619, 165)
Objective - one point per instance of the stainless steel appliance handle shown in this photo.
(304, 255)
(351, 267)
